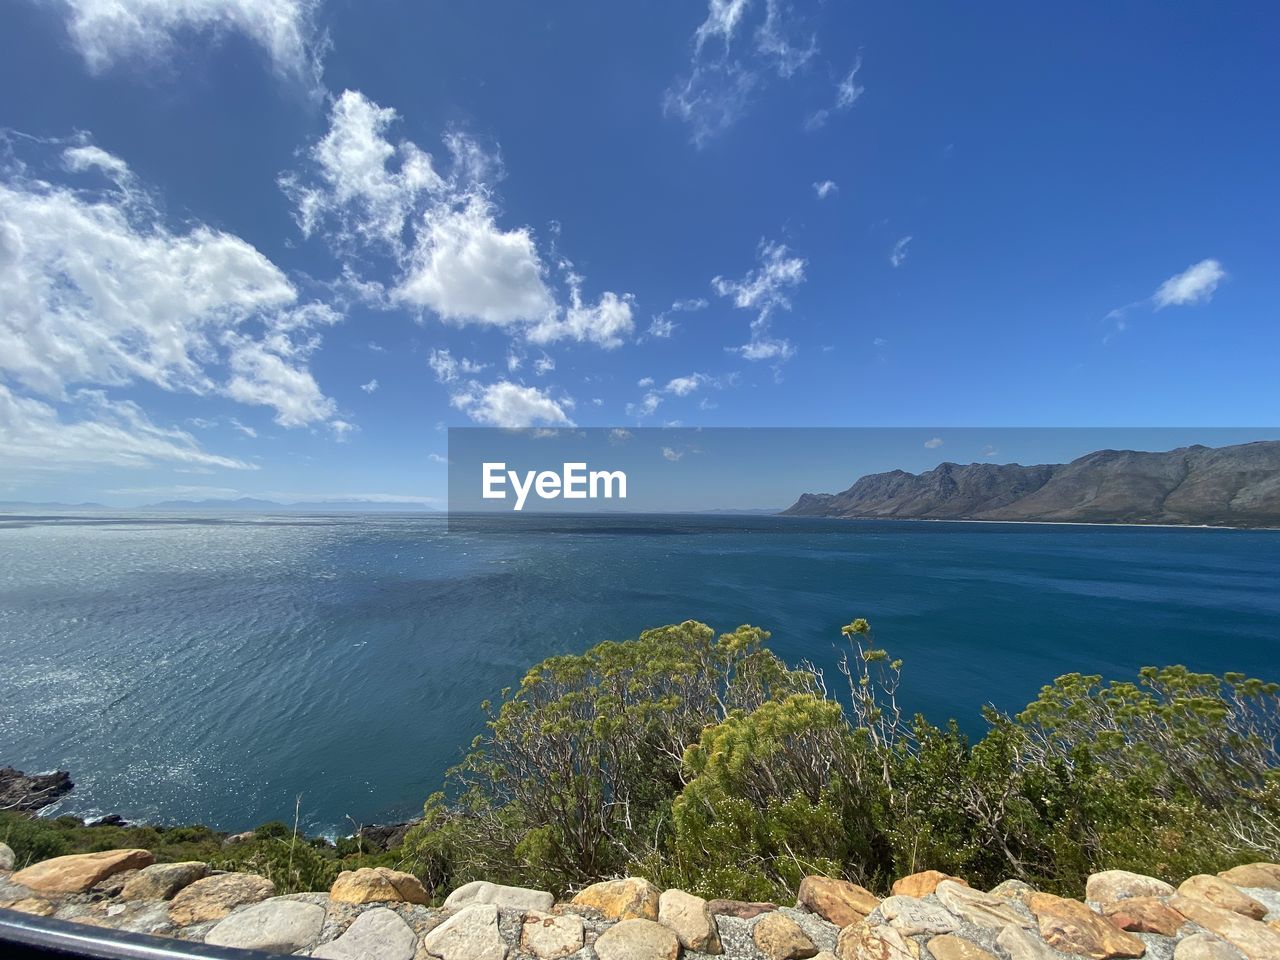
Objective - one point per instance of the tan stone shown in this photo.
(161, 881)
(32, 905)
(1021, 944)
(378, 885)
(1111, 885)
(637, 939)
(1255, 940)
(214, 897)
(779, 937)
(1222, 893)
(1012, 890)
(688, 917)
(80, 871)
(863, 941)
(982, 909)
(1263, 875)
(950, 947)
(1144, 915)
(1070, 926)
(742, 909)
(1204, 946)
(922, 884)
(836, 901)
(632, 898)
(549, 937)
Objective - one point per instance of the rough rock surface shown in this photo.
(779, 937)
(273, 926)
(743, 909)
(1122, 885)
(1222, 893)
(980, 909)
(837, 901)
(378, 885)
(866, 941)
(950, 947)
(1255, 940)
(470, 934)
(912, 916)
(161, 881)
(1205, 946)
(1144, 915)
(550, 937)
(689, 918)
(1265, 876)
(80, 871)
(632, 898)
(1072, 927)
(7, 858)
(18, 791)
(214, 897)
(637, 939)
(922, 884)
(503, 897)
(377, 934)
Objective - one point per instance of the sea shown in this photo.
(220, 669)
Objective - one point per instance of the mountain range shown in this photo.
(1236, 486)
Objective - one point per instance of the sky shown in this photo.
(277, 248)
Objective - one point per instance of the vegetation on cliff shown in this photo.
(706, 763)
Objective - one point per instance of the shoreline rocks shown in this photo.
(28, 793)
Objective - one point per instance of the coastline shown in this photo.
(1040, 523)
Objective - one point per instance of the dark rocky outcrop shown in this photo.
(1225, 486)
(18, 791)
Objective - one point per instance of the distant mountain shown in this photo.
(47, 505)
(1235, 486)
(252, 505)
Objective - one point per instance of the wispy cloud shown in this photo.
(847, 92)
(825, 188)
(765, 290)
(1194, 285)
(933, 443)
(898, 255)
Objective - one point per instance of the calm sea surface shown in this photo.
(213, 669)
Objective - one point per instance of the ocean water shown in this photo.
(214, 669)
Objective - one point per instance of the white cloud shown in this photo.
(683, 386)
(644, 382)
(97, 290)
(662, 326)
(765, 290)
(514, 361)
(371, 386)
(506, 404)
(543, 365)
(646, 407)
(448, 369)
(1196, 284)
(440, 230)
(989, 451)
(898, 255)
(620, 435)
(670, 454)
(730, 61)
(247, 430)
(437, 458)
(106, 32)
(35, 437)
(825, 188)
(848, 90)
(933, 443)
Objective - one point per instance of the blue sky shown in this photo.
(276, 247)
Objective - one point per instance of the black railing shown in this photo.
(27, 937)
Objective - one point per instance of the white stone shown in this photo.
(912, 917)
(273, 926)
(470, 934)
(506, 898)
(377, 934)
(549, 937)
(1022, 945)
(7, 858)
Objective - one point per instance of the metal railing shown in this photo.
(27, 937)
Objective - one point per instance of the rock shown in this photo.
(21, 792)
(7, 857)
(950, 947)
(1255, 940)
(1204, 946)
(214, 897)
(779, 937)
(1222, 893)
(385, 836)
(1070, 926)
(981, 909)
(1012, 890)
(161, 881)
(273, 926)
(637, 939)
(550, 937)
(377, 934)
(1122, 885)
(1265, 876)
(863, 941)
(32, 905)
(836, 901)
(632, 898)
(1021, 945)
(689, 919)
(742, 909)
(501, 896)
(237, 838)
(921, 884)
(912, 917)
(1144, 915)
(114, 885)
(378, 885)
(505, 898)
(80, 871)
(470, 934)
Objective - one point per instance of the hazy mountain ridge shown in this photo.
(1228, 486)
